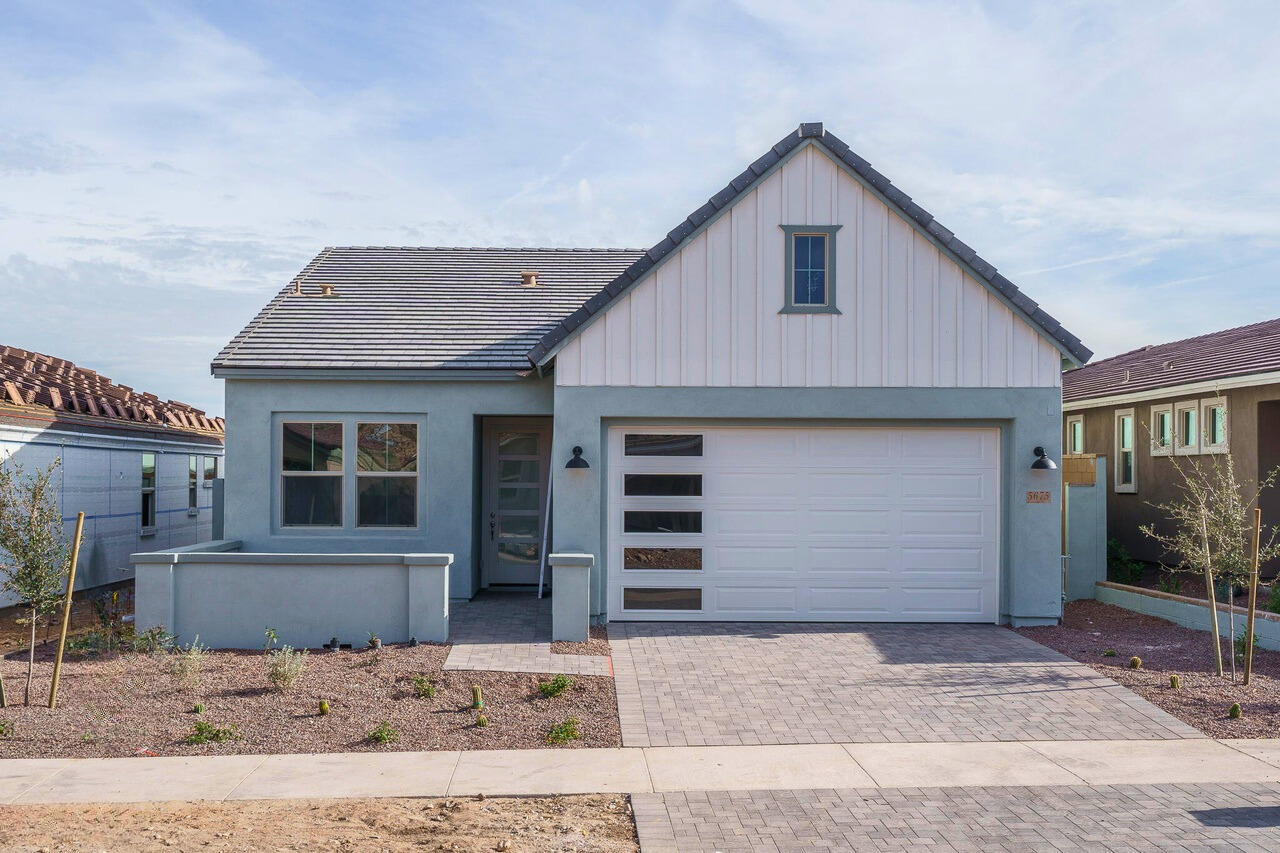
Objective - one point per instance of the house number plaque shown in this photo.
(1039, 497)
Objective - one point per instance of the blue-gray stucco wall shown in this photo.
(448, 412)
(1031, 573)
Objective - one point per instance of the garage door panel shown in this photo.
(824, 523)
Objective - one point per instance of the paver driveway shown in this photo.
(1143, 818)
(691, 684)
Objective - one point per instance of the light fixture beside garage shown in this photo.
(1043, 462)
(577, 461)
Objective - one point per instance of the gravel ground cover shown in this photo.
(524, 825)
(1203, 700)
(597, 644)
(120, 705)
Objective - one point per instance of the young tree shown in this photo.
(1212, 528)
(35, 554)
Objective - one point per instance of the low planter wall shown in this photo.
(228, 597)
(1189, 612)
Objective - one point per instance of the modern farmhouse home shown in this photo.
(809, 401)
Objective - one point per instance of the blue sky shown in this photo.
(166, 167)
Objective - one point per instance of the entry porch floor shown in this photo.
(511, 632)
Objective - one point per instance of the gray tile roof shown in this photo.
(422, 308)
(1219, 355)
(812, 131)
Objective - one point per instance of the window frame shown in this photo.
(282, 474)
(1070, 449)
(146, 529)
(1181, 447)
(1159, 449)
(1205, 406)
(193, 484)
(1122, 487)
(357, 475)
(790, 232)
(204, 474)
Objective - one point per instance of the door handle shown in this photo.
(492, 525)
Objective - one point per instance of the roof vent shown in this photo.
(1126, 375)
(327, 290)
(1168, 365)
(529, 278)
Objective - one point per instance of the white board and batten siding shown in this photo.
(910, 315)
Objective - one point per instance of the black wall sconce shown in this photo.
(577, 461)
(1043, 462)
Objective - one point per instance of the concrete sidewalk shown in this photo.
(632, 770)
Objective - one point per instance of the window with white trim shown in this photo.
(1126, 474)
(1186, 419)
(1161, 430)
(1075, 435)
(1213, 420)
(311, 474)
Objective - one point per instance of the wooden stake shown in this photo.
(1253, 594)
(1212, 594)
(66, 610)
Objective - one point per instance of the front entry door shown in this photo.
(515, 499)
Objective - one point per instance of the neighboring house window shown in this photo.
(811, 269)
(193, 483)
(1161, 430)
(387, 475)
(311, 474)
(1213, 414)
(1126, 462)
(210, 471)
(1187, 438)
(148, 493)
(1075, 434)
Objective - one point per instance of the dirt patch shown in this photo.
(1091, 628)
(597, 644)
(15, 631)
(527, 825)
(117, 706)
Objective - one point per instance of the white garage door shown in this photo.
(838, 524)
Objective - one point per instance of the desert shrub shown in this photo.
(186, 664)
(205, 732)
(324, 707)
(1239, 643)
(1273, 598)
(285, 666)
(1122, 568)
(1109, 653)
(554, 687)
(384, 733)
(197, 708)
(150, 641)
(563, 732)
(6, 728)
(424, 687)
(1170, 583)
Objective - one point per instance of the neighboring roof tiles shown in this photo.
(812, 131)
(57, 389)
(422, 308)
(1220, 355)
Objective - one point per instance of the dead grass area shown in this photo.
(600, 823)
(1091, 628)
(123, 704)
(597, 644)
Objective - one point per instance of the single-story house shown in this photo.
(808, 401)
(142, 470)
(1151, 408)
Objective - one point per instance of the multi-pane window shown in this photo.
(148, 491)
(193, 483)
(1126, 474)
(1187, 428)
(387, 475)
(809, 270)
(1075, 434)
(210, 471)
(311, 474)
(1214, 413)
(1161, 430)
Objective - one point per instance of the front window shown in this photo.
(1161, 430)
(148, 492)
(387, 475)
(1186, 426)
(311, 474)
(1126, 462)
(1214, 425)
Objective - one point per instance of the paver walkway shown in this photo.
(692, 684)
(1110, 818)
(511, 632)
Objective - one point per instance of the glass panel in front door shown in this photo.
(516, 507)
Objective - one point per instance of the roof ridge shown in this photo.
(566, 249)
(814, 132)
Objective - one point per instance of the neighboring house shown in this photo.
(809, 401)
(141, 469)
(1148, 409)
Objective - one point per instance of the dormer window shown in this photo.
(810, 269)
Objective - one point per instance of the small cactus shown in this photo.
(1135, 662)
(477, 700)
(197, 708)
(324, 707)
(1235, 712)
(482, 722)
(1175, 682)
